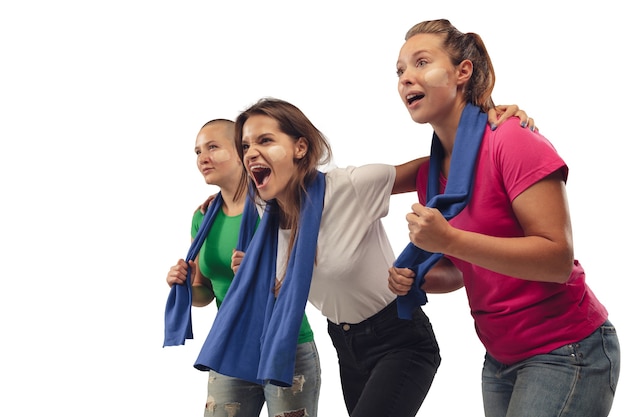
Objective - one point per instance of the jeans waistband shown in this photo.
(387, 313)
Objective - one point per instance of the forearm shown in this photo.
(442, 278)
(406, 175)
(201, 295)
(531, 258)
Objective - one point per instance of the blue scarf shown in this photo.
(178, 326)
(254, 335)
(455, 197)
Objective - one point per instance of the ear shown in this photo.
(464, 71)
(301, 147)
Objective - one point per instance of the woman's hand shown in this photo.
(428, 229)
(499, 114)
(400, 280)
(202, 207)
(178, 273)
(236, 260)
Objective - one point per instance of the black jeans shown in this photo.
(386, 364)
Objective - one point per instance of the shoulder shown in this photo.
(521, 156)
(361, 180)
(357, 173)
(372, 183)
(510, 140)
(197, 215)
(511, 129)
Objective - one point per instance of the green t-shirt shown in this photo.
(215, 257)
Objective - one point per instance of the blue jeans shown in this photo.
(386, 364)
(576, 380)
(229, 396)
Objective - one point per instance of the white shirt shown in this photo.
(349, 281)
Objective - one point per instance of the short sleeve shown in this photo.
(523, 157)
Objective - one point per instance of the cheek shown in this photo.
(276, 153)
(220, 156)
(436, 77)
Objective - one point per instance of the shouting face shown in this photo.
(270, 155)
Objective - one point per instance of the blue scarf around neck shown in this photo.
(178, 326)
(254, 335)
(457, 194)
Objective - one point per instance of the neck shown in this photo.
(232, 206)
(446, 129)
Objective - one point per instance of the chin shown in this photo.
(267, 196)
(419, 120)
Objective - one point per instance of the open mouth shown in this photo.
(260, 174)
(412, 98)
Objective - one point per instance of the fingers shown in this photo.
(203, 207)
(236, 259)
(526, 121)
(420, 214)
(400, 280)
(506, 111)
(177, 274)
(498, 114)
(529, 123)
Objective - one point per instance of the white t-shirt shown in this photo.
(349, 281)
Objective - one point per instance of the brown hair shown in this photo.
(461, 46)
(296, 125)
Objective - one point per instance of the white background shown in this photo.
(100, 104)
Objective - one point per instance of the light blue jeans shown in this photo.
(576, 380)
(234, 397)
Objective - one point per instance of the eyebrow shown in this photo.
(262, 135)
(414, 54)
(208, 142)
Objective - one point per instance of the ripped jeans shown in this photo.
(234, 397)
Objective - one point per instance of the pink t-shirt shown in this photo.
(516, 319)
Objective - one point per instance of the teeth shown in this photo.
(410, 98)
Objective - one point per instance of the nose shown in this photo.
(203, 157)
(251, 153)
(405, 78)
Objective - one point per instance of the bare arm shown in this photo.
(201, 290)
(442, 278)
(544, 253)
(406, 175)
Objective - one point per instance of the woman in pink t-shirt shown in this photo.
(550, 348)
